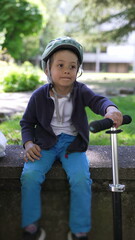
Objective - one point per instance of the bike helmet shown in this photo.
(59, 44)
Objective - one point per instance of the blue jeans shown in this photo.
(77, 169)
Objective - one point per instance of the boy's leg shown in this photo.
(32, 177)
(77, 169)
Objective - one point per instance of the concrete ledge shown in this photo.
(100, 163)
(55, 195)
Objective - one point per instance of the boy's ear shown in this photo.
(46, 71)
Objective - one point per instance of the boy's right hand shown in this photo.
(32, 152)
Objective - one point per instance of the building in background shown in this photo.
(112, 58)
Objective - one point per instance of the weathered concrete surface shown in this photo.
(99, 156)
(55, 195)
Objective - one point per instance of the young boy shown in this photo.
(55, 125)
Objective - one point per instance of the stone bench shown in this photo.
(55, 195)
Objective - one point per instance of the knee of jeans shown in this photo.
(80, 178)
(32, 176)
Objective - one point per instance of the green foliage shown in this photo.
(7, 69)
(18, 19)
(18, 82)
(30, 48)
(89, 17)
(55, 26)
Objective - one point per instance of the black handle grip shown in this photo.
(100, 125)
(126, 119)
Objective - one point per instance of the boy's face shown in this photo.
(64, 68)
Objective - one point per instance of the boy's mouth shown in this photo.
(66, 78)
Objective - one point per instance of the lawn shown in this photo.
(11, 130)
(104, 83)
(127, 137)
(11, 127)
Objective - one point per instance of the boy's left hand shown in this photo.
(114, 114)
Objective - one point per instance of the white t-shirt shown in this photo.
(65, 110)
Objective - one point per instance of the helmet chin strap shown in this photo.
(80, 71)
(49, 78)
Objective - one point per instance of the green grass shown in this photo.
(126, 105)
(11, 127)
(107, 76)
(107, 82)
(11, 130)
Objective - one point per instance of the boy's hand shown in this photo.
(32, 151)
(114, 114)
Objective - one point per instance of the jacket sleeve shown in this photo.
(29, 121)
(97, 103)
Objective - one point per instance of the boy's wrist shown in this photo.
(27, 143)
(110, 108)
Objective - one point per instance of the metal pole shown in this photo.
(115, 171)
(116, 188)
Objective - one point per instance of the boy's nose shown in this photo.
(67, 70)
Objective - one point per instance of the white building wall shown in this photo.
(122, 53)
(115, 54)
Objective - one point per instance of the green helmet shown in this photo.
(59, 44)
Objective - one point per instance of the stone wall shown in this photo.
(55, 195)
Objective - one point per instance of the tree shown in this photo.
(55, 22)
(18, 19)
(102, 21)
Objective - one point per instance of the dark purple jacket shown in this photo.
(36, 120)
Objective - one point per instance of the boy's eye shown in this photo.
(60, 65)
(73, 66)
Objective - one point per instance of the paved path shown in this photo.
(13, 102)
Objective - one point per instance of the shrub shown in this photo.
(17, 82)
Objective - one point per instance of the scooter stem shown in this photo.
(115, 187)
(115, 167)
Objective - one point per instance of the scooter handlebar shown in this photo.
(106, 123)
(126, 119)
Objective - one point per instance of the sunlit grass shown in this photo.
(109, 81)
(105, 75)
(127, 137)
(11, 130)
